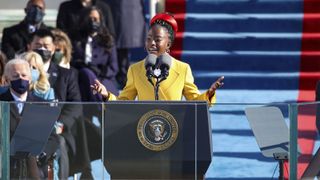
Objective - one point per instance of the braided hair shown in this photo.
(167, 26)
(167, 21)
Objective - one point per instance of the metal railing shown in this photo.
(296, 116)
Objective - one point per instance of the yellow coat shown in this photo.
(180, 82)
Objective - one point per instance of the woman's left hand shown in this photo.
(217, 84)
(98, 87)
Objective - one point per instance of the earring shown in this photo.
(168, 51)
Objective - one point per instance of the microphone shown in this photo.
(149, 64)
(165, 61)
(161, 72)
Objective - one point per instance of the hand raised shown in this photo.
(98, 87)
(217, 84)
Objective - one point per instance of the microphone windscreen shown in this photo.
(165, 59)
(151, 60)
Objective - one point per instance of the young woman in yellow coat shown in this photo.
(179, 81)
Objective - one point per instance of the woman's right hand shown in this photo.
(98, 87)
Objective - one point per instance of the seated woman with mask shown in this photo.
(40, 85)
(176, 82)
(95, 54)
(63, 51)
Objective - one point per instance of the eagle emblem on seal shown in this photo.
(157, 130)
(157, 127)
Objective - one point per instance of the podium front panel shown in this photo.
(158, 140)
(36, 123)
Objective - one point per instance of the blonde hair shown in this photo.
(62, 40)
(42, 84)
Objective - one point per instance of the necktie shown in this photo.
(20, 107)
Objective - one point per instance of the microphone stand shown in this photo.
(150, 80)
(163, 76)
(149, 75)
(156, 87)
(156, 90)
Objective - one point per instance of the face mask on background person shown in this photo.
(20, 86)
(34, 15)
(44, 53)
(94, 26)
(57, 57)
(35, 75)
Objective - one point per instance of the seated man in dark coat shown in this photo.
(17, 73)
(16, 38)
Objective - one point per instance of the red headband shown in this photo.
(167, 18)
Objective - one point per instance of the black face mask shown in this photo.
(94, 27)
(34, 15)
(20, 86)
(45, 54)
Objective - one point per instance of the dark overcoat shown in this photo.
(129, 21)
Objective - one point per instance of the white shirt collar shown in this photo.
(23, 97)
(46, 66)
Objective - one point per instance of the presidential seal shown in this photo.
(157, 130)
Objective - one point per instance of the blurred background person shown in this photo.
(40, 85)
(16, 38)
(130, 27)
(66, 89)
(62, 57)
(69, 12)
(95, 54)
(63, 52)
(3, 61)
(95, 57)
